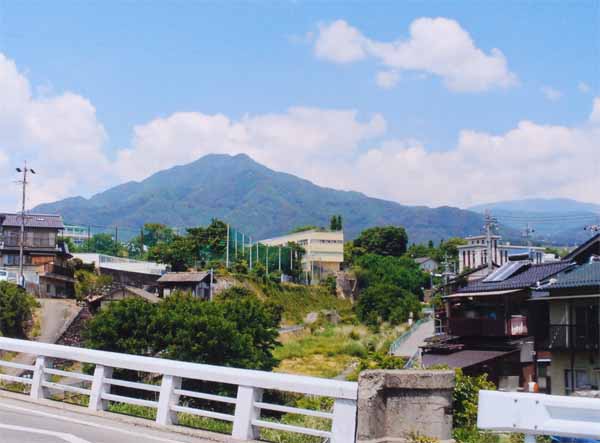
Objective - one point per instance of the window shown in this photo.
(582, 380)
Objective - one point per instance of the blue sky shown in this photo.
(140, 64)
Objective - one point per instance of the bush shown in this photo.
(16, 307)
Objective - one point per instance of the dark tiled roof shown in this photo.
(462, 359)
(587, 275)
(593, 242)
(526, 278)
(33, 221)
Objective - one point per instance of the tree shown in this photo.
(89, 283)
(387, 240)
(16, 307)
(103, 243)
(305, 228)
(122, 327)
(235, 330)
(335, 224)
(180, 253)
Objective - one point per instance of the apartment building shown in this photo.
(324, 250)
(475, 253)
(44, 255)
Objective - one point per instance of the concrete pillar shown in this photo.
(395, 404)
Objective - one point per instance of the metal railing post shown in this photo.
(37, 389)
(343, 428)
(167, 398)
(99, 387)
(246, 412)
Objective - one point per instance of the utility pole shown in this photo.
(250, 253)
(490, 224)
(280, 258)
(267, 259)
(235, 242)
(527, 234)
(116, 240)
(227, 249)
(23, 182)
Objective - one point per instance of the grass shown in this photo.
(296, 300)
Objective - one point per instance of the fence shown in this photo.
(398, 342)
(240, 246)
(538, 414)
(248, 403)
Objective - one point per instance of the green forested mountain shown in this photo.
(254, 199)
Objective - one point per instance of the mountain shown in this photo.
(558, 221)
(544, 205)
(254, 199)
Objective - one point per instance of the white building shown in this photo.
(475, 253)
(102, 261)
(324, 250)
(79, 234)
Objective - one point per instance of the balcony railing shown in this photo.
(487, 327)
(584, 337)
(51, 268)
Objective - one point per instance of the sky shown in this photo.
(424, 103)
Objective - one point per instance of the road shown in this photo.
(416, 340)
(25, 422)
(55, 316)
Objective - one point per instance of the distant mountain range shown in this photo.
(558, 221)
(254, 199)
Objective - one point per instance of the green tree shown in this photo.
(122, 327)
(402, 272)
(89, 283)
(335, 223)
(236, 330)
(103, 243)
(305, 228)
(179, 253)
(386, 240)
(16, 307)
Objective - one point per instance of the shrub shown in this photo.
(16, 307)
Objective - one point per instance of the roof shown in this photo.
(481, 294)
(593, 244)
(421, 260)
(463, 359)
(525, 278)
(33, 221)
(141, 293)
(586, 275)
(183, 277)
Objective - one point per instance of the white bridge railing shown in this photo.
(539, 414)
(248, 403)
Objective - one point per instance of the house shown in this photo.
(427, 264)
(474, 253)
(45, 271)
(487, 323)
(567, 324)
(100, 301)
(125, 271)
(324, 250)
(198, 284)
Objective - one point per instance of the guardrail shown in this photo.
(248, 403)
(405, 336)
(539, 414)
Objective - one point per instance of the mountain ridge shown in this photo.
(255, 199)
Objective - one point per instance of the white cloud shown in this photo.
(62, 139)
(551, 93)
(305, 135)
(584, 87)
(59, 136)
(438, 46)
(387, 79)
(530, 160)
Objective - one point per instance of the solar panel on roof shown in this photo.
(505, 271)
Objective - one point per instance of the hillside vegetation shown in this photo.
(257, 200)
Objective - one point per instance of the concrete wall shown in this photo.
(394, 405)
(561, 361)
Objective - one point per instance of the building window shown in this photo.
(582, 380)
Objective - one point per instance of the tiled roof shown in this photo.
(592, 242)
(462, 359)
(526, 278)
(586, 275)
(183, 277)
(33, 221)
